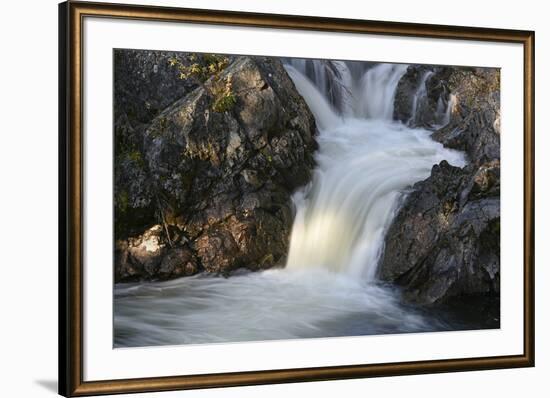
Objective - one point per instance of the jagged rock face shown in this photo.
(405, 91)
(424, 111)
(220, 183)
(148, 256)
(144, 85)
(474, 125)
(445, 240)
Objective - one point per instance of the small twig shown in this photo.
(163, 220)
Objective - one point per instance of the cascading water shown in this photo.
(365, 162)
(419, 95)
(378, 91)
(451, 105)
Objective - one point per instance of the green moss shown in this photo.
(202, 68)
(209, 67)
(267, 260)
(122, 201)
(163, 123)
(264, 151)
(159, 127)
(224, 103)
(135, 155)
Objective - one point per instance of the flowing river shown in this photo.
(365, 164)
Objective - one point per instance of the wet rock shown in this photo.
(445, 240)
(151, 256)
(178, 261)
(219, 180)
(406, 89)
(140, 256)
(474, 125)
(422, 96)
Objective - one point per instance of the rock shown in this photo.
(444, 242)
(145, 83)
(477, 89)
(219, 180)
(149, 256)
(425, 110)
(406, 89)
(178, 261)
(139, 256)
(474, 125)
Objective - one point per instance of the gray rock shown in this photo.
(427, 112)
(140, 256)
(144, 85)
(219, 182)
(405, 91)
(178, 261)
(445, 240)
(474, 125)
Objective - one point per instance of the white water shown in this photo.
(451, 105)
(419, 95)
(378, 91)
(328, 288)
(364, 164)
(274, 304)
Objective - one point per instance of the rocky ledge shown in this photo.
(444, 242)
(205, 165)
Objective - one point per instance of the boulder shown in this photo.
(149, 256)
(219, 181)
(445, 240)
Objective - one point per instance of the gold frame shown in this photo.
(71, 16)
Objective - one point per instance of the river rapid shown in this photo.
(366, 163)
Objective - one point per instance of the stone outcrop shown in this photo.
(445, 240)
(209, 189)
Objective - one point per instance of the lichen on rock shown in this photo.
(444, 242)
(217, 181)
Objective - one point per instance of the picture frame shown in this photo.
(72, 203)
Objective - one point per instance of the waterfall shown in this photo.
(322, 110)
(364, 163)
(379, 84)
(339, 82)
(350, 88)
(451, 105)
(345, 84)
(418, 96)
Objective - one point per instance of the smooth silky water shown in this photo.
(365, 164)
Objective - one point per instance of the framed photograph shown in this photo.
(254, 199)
